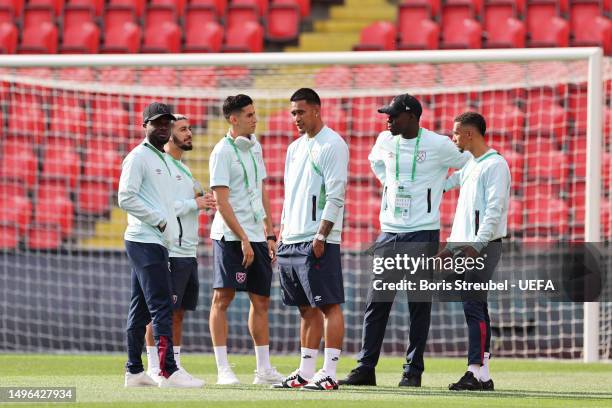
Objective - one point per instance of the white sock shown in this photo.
(474, 369)
(308, 362)
(332, 356)
(484, 370)
(177, 355)
(221, 356)
(262, 356)
(152, 359)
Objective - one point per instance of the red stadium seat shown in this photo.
(365, 119)
(260, 6)
(122, 34)
(358, 238)
(416, 75)
(548, 215)
(44, 237)
(162, 33)
(8, 38)
(61, 163)
(459, 28)
(283, 22)
(204, 77)
(81, 34)
(68, 122)
(15, 211)
(555, 33)
(117, 75)
(503, 116)
(27, 119)
(378, 36)
(166, 76)
(19, 163)
(56, 210)
(552, 166)
(373, 76)
(448, 206)
(280, 124)
(334, 116)
(39, 35)
(303, 5)
(7, 16)
(56, 6)
(102, 165)
(434, 6)
(274, 151)
(362, 204)
(199, 14)
(589, 26)
(220, 6)
(334, 77)
(109, 118)
(515, 216)
(359, 150)
(502, 28)
(96, 6)
(475, 5)
(516, 164)
(15, 7)
(94, 197)
(544, 115)
(447, 107)
(177, 5)
(203, 37)
(238, 14)
(137, 6)
(244, 37)
(424, 38)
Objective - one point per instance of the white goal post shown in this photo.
(594, 97)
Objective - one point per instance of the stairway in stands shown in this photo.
(340, 32)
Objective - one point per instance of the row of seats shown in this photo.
(492, 24)
(50, 219)
(219, 8)
(537, 112)
(121, 33)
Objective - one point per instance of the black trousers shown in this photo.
(377, 312)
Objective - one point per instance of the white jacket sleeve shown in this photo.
(184, 207)
(496, 190)
(453, 180)
(451, 155)
(132, 173)
(377, 162)
(335, 176)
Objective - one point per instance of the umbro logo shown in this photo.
(335, 359)
(317, 298)
(178, 177)
(306, 356)
(158, 171)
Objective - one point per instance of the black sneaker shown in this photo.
(360, 376)
(487, 385)
(321, 382)
(293, 380)
(410, 380)
(467, 382)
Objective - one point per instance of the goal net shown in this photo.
(67, 124)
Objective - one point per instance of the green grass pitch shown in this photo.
(519, 383)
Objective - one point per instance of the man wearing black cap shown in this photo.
(411, 163)
(146, 193)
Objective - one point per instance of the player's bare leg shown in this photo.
(259, 329)
(218, 332)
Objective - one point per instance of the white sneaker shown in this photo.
(139, 380)
(180, 379)
(154, 374)
(226, 376)
(269, 376)
(186, 373)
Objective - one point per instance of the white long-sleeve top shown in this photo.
(147, 193)
(482, 209)
(302, 214)
(436, 154)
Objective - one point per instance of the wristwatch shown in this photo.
(162, 226)
(320, 237)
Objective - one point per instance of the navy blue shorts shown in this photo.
(228, 271)
(185, 284)
(308, 281)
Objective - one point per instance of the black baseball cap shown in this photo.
(156, 110)
(403, 103)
